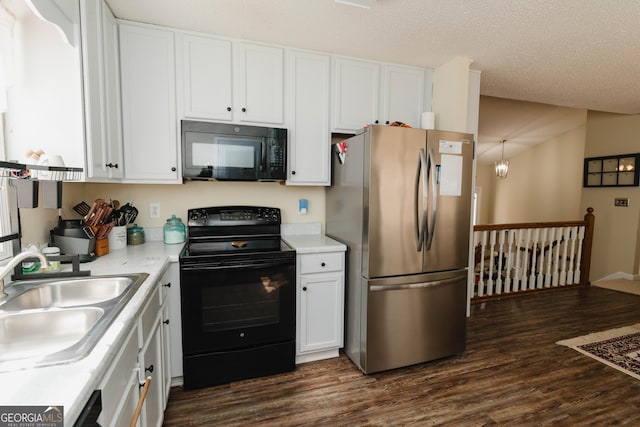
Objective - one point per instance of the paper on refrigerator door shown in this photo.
(450, 175)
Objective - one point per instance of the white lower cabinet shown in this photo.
(144, 354)
(320, 306)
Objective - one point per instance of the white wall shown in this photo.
(45, 102)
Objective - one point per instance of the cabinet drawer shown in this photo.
(149, 316)
(319, 263)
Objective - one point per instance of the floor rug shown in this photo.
(618, 348)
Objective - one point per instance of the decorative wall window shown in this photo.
(612, 171)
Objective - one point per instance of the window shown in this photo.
(6, 60)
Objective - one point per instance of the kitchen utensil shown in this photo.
(82, 208)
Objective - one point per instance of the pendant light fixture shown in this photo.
(502, 167)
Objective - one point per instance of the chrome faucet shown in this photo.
(6, 269)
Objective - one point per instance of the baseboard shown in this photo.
(617, 276)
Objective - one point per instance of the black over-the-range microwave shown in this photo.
(229, 152)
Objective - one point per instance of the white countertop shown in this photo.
(70, 385)
(313, 243)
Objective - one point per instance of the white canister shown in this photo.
(118, 237)
(52, 251)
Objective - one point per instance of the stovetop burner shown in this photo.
(233, 229)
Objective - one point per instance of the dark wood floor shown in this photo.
(512, 373)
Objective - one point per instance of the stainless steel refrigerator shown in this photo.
(400, 200)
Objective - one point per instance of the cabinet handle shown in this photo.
(376, 122)
(149, 369)
(167, 285)
(293, 172)
(228, 108)
(244, 110)
(112, 165)
(387, 122)
(304, 288)
(166, 322)
(173, 169)
(323, 264)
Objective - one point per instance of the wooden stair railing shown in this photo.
(527, 257)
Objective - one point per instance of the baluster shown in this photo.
(541, 258)
(517, 275)
(572, 250)
(527, 257)
(563, 265)
(500, 266)
(507, 282)
(577, 270)
(556, 257)
(492, 244)
(482, 251)
(534, 255)
(551, 237)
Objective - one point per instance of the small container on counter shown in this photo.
(174, 231)
(135, 235)
(52, 251)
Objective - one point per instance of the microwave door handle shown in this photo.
(263, 155)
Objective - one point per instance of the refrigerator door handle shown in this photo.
(431, 284)
(420, 173)
(431, 170)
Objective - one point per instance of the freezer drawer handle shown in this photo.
(378, 288)
(421, 226)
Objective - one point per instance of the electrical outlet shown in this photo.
(154, 210)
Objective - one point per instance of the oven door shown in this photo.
(238, 301)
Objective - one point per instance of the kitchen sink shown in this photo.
(69, 293)
(41, 333)
(45, 322)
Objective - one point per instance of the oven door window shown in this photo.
(237, 306)
(253, 303)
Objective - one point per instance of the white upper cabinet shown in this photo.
(402, 95)
(207, 78)
(147, 63)
(103, 131)
(224, 80)
(372, 93)
(261, 83)
(355, 94)
(308, 108)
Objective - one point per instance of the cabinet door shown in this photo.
(402, 95)
(101, 92)
(320, 311)
(131, 396)
(261, 84)
(151, 366)
(148, 104)
(207, 80)
(309, 136)
(356, 87)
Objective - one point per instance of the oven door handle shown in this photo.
(252, 265)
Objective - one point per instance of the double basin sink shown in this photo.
(45, 322)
